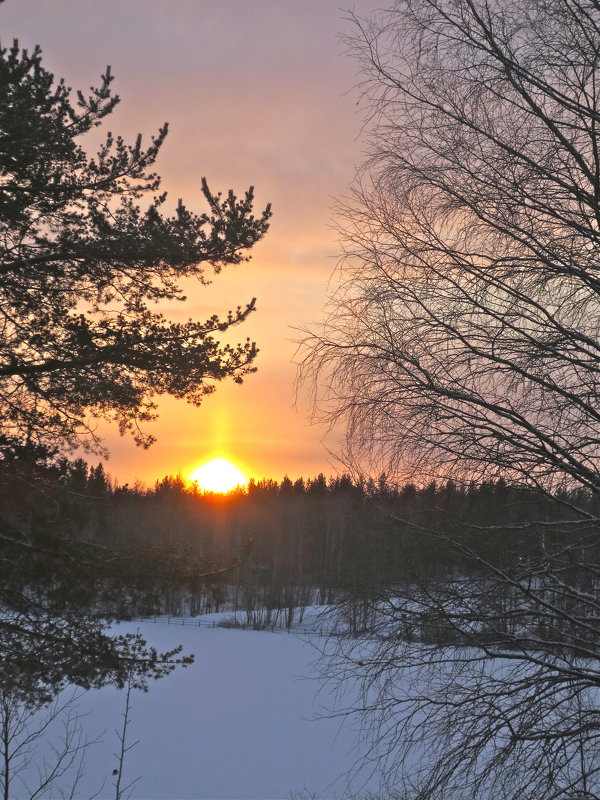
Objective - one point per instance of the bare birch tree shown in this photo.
(42, 747)
(464, 342)
(464, 336)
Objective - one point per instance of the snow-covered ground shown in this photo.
(243, 722)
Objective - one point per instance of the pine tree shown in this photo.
(86, 254)
(83, 264)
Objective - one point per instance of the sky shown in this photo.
(256, 92)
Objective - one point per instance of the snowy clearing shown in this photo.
(239, 724)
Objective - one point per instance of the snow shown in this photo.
(242, 723)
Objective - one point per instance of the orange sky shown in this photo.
(256, 92)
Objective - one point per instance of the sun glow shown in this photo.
(218, 475)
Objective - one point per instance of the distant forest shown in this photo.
(273, 548)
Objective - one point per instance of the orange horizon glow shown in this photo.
(218, 476)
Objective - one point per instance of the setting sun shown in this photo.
(218, 475)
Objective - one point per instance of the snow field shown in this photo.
(241, 723)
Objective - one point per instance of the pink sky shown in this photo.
(256, 92)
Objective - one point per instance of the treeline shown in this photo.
(275, 547)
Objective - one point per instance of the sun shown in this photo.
(218, 475)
